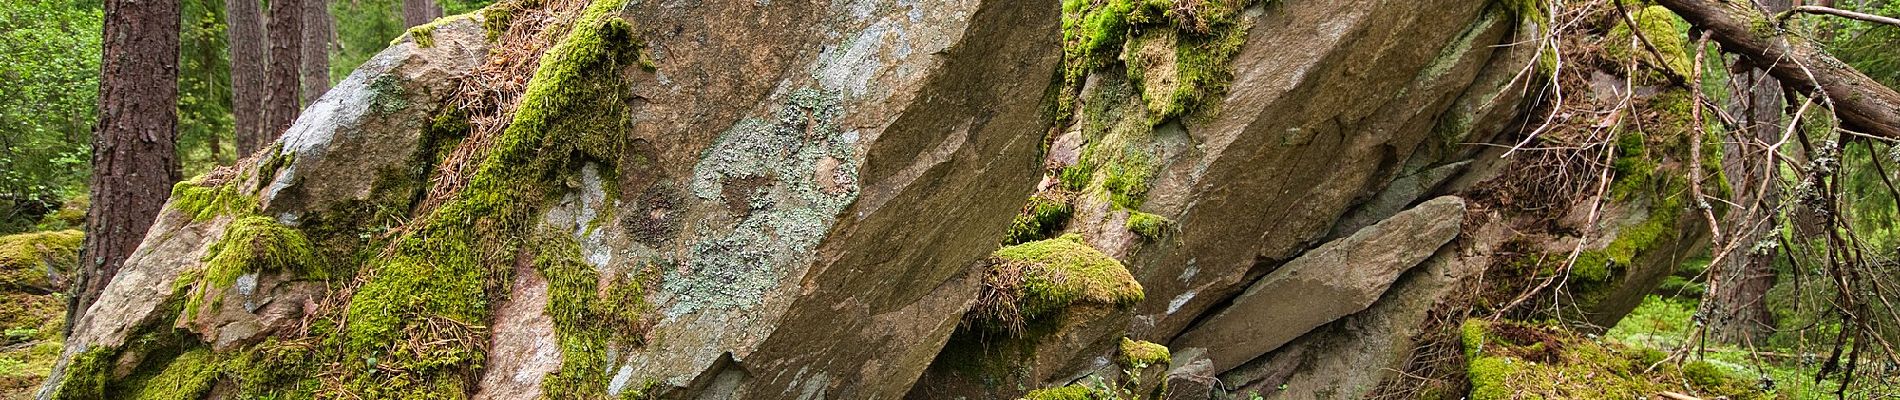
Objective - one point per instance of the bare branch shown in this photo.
(1839, 13)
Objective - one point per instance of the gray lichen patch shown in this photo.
(781, 183)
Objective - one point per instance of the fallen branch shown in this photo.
(1677, 396)
(1862, 103)
(1839, 13)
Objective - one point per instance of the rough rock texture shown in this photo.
(1308, 128)
(370, 122)
(1327, 283)
(344, 145)
(775, 199)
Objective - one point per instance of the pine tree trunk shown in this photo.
(286, 50)
(316, 49)
(1737, 300)
(418, 12)
(246, 30)
(134, 146)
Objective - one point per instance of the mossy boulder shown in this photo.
(38, 262)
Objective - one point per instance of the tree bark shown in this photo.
(246, 30)
(1863, 104)
(418, 12)
(134, 147)
(286, 49)
(1737, 301)
(316, 49)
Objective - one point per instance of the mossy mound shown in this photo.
(1142, 354)
(1064, 270)
(1036, 279)
(24, 258)
(1510, 360)
(32, 307)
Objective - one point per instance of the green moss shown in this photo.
(275, 369)
(1117, 159)
(70, 215)
(24, 257)
(278, 159)
(1071, 392)
(204, 202)
(1044, 215)
(425, 34)
(1665, 31)
(253, 245)
(1147, 225)
(1181, 49)
(1197, 72)
(1507, 360)
(1531, 10)
(1128, 181)
(411, 325)
(1141, 354)
(1064, 270)
(86, 375)
(187, 377)
(587, 320)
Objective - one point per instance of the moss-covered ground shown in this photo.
(32, 305)
(1511, 360)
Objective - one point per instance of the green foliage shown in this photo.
(204, 88)
(1868, 47)
(51, 81)
(366, 27)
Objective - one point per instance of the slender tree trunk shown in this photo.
(316, 49)
(1737, 301)
(418, 12)
(246, 28)
(286, 50)
(134, 147)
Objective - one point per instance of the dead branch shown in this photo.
(1839, 13)
(1862, 103)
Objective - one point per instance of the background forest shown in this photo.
(51, 73)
